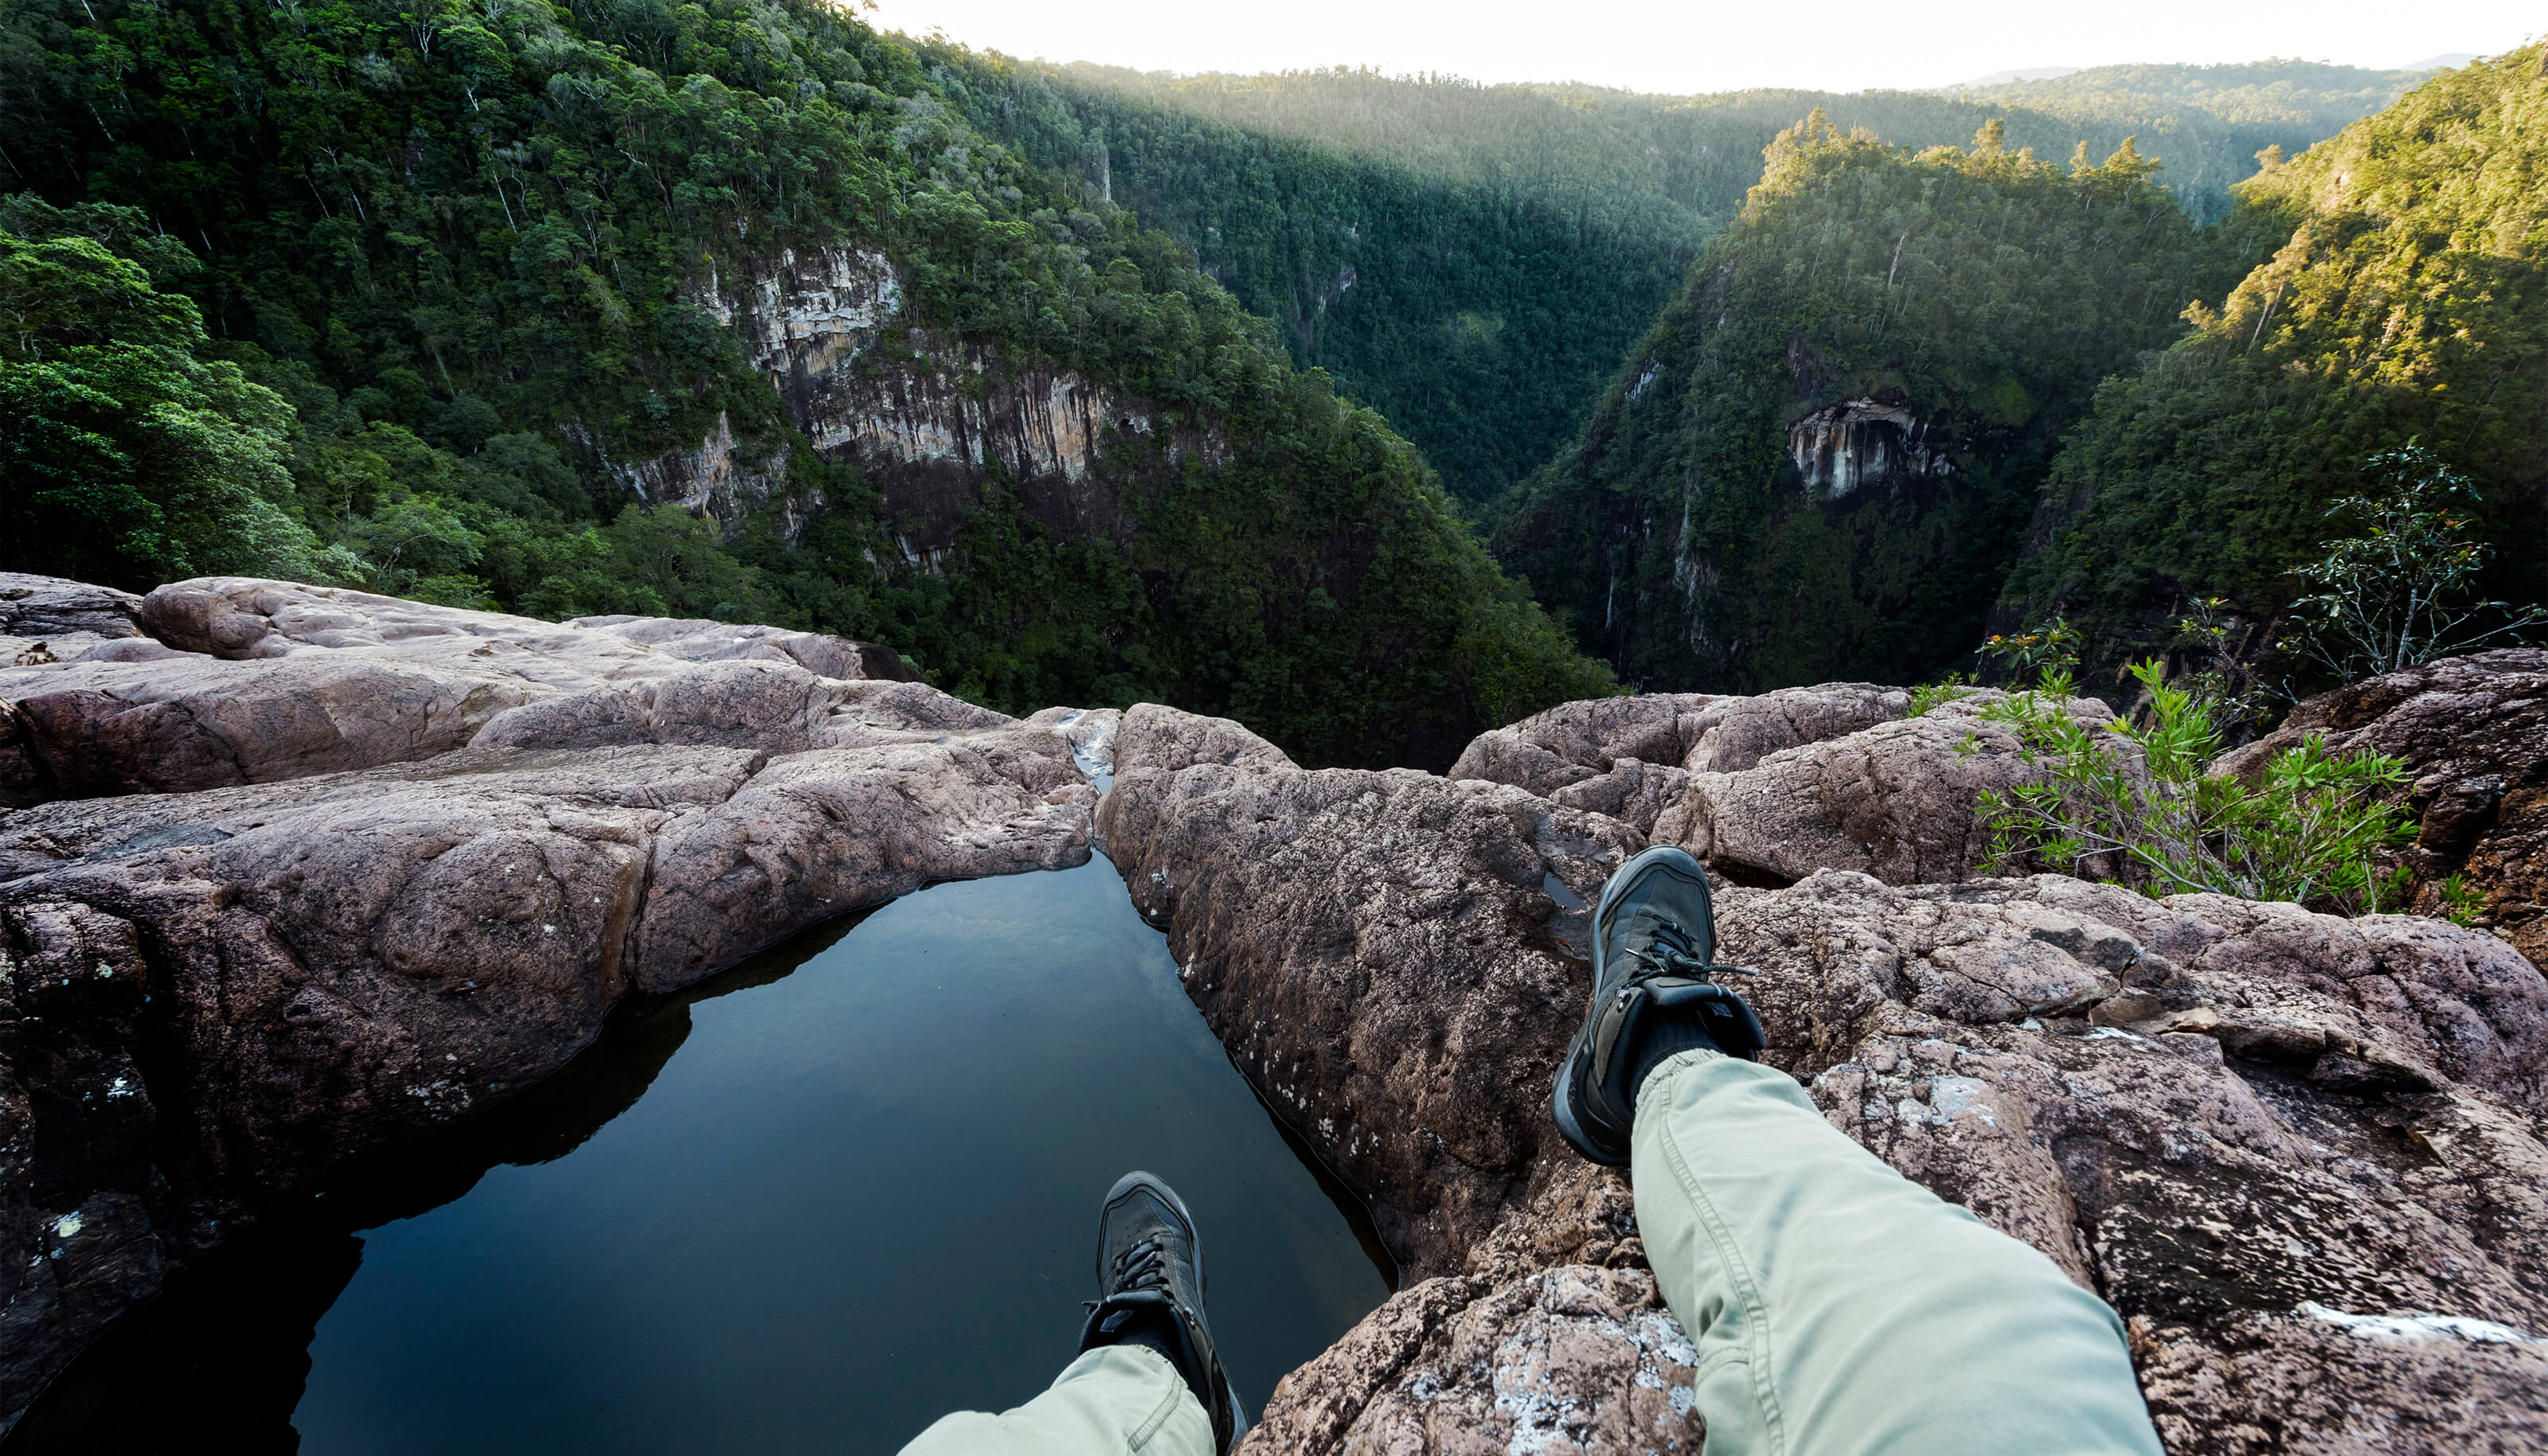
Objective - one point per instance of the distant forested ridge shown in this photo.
(720, 310)
(1478, 298)
(1472, 261)
(1820, 461)
(2407, 299)
(2207, 122)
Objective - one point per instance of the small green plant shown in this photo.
(2400, 594)
(1946, 689)
(2226, 683)
(2037, 658)
(2462, 904)
(2137, 805)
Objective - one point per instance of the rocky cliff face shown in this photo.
(391, 863)
(928, 421)
(1861, 444)
(2300, 1153)
(304, 875)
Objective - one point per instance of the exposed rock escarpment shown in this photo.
(2300, 1153)
(1864, 444)
(211, 999)
(253, 681)
(932, 422)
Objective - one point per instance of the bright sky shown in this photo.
(1690, 45)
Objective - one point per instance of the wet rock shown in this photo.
(2474, 734)
(1895, 799)
(267, 681)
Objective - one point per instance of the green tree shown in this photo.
(2403, 300)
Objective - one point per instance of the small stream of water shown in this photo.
(809, 1206)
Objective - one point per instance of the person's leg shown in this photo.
(1838, 1307)
(1149, 1378)
(1112, 1400)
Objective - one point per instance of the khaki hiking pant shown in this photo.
(1838, 1308)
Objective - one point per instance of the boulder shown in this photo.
(2474, 734)
(1149, 736)
(1377, 951)
(773, 706)
(1732, 734)
(698, 640)
(1574, 741)
(1894, 798)
(259, 682)
(2298, 1152)
(1631, 757)
(48, 619)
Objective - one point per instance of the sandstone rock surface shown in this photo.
(2300, 1153)
(1376, 951)
(214, 999)
(254, 682)
(2474, 733)
(46, 619)
(1894, 798)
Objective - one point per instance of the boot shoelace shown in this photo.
(1670, 954)
(1141, 1265)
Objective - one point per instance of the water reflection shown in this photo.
(809, 1206)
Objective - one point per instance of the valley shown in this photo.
(665, 667)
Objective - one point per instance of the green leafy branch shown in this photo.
(2140, 804)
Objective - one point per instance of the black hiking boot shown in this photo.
(1653, 935)
(1149, 1286)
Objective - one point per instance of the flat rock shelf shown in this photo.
(809, 1206)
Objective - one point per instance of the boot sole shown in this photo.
(1579, 1052)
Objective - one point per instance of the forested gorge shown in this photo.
(425, 283)
(1818, 463)
(488, 305)
(1472, 261)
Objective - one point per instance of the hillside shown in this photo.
(1476, 287)
(2316, 97)
(2209, 121)
(721, 312)
(2405, 303)
(1472, 261)
(1819, 462)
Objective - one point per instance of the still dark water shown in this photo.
(810, 1206)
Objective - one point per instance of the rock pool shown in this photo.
(808, 1206)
